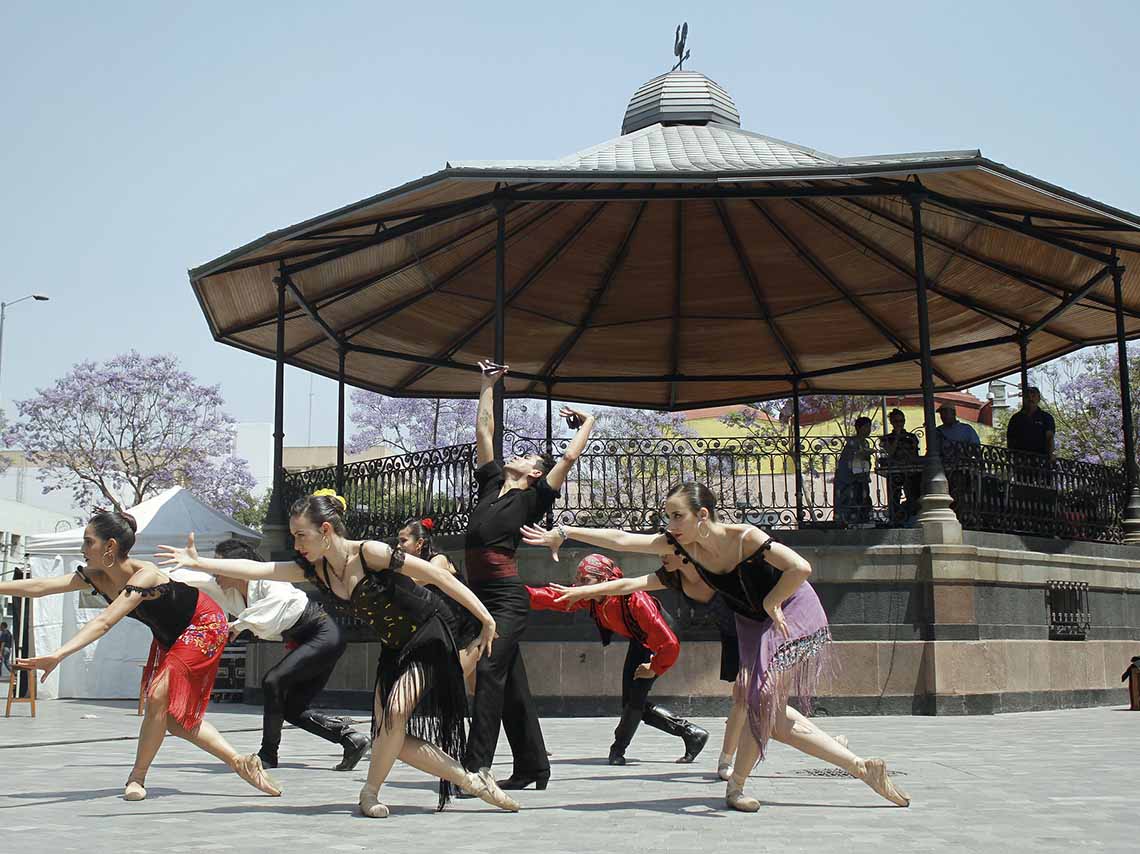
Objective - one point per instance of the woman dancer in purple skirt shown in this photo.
(781, 626)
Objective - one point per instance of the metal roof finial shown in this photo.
(679, 46)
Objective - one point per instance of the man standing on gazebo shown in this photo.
(514, 493)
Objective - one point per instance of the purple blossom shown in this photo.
(1084, 392)
(415, 424)
(122, 431)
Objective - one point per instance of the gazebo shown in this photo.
(688, 262)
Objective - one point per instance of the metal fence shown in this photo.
(623, 483)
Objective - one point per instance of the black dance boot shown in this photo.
(339, 731)
(270, 739)
(623, 734)
(694, 737)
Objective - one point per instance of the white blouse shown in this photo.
(271, 607)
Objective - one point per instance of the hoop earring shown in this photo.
(108, 559)
(708, 531)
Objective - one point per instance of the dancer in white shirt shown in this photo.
(276, 610)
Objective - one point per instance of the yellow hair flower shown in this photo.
(331, 493)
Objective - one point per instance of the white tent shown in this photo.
(110, 668)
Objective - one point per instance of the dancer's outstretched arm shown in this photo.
(607, 538)
(34, 588)
(124, 603)
(617, 587)
(251, 570)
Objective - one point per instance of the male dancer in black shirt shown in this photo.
(514, 493)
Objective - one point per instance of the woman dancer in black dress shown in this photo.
(781, 626)
(314, 643)
(419, 706)
(189, 631)
(416, 538)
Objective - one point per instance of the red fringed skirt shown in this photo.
(190, 663)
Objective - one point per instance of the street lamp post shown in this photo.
(3, 313)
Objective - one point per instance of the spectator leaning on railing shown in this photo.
(1031, 428)
(953, 430)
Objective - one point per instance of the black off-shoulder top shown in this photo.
(391, 602)
(742, 588)
(166, 609)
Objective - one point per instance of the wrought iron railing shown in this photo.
(384, 493)
(996, 489)
(623, 483)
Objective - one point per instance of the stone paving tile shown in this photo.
(1046, 781)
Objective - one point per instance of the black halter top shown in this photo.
(742, 588)
(166, 609)
(389, 601)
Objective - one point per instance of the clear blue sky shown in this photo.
(141, 139)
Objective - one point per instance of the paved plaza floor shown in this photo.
(1045, 781)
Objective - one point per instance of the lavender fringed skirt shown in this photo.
(774, 669)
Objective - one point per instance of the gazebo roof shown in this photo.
(686, 264)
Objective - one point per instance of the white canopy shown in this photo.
(110, 668)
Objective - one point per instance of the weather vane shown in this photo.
(679, 46)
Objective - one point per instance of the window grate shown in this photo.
(1069, 617)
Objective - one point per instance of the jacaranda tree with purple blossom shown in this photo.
(1082, 392)
(122, 431)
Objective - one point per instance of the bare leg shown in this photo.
(733, 726)
(392, 742)
(798, 718)
(798, 732)
(207, 737)
(468, 658)
(151, 735)
(747, 755)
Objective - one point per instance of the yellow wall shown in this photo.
(714, 428)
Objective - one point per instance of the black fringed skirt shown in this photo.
(431, 662)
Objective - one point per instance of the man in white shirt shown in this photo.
(953, 430)
(276, 610)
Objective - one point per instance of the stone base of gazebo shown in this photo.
(919, 629)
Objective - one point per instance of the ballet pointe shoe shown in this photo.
(734, 796)
(724, 767)
(370, 804)
(482, 785)
(249, 768)
(874, 774)
(134, 791)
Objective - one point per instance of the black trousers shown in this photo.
(295, 681)
(634, 691)
(502, 693)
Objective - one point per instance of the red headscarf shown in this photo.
(596, 568)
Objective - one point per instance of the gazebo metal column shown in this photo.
(1131, 515)
(939, 522)
(342, 354)
(276, 524)
(500, 321)
(797, 452)
(1023, 349)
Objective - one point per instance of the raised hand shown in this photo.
(491, 370)
(44, 663)
(176, 557)
(574, 417)
(644, 671)
(536, 536)
(775, 610)
(576, 594)
(486, 639)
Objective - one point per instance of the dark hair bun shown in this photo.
(132, 523)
